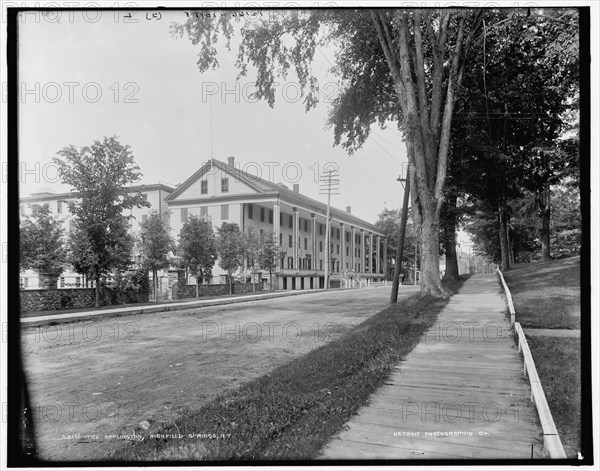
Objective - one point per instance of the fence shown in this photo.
(552, 441)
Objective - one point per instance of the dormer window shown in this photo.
(224, 185)
(204, 187)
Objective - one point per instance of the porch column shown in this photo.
(313, 241)
(295, 232)
(378, 259)
(353, 250)
(370, 264)
(342, 248)
(362, 251)
(276, 231)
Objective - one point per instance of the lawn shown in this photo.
(548, 296)
(562, 385)
(292, 412)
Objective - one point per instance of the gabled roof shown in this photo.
(261, 185)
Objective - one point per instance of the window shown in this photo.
(338, 234)
(291, 221)
(224, 211)
(308, 261)
(347, 252)
(62, 281)
(144, 218)
(280, 238)
(203, 187)
(204, 211)
(270, 216)
(281, 219)
(250, 211)
(290, 262)
(77, 282)
(321, 229)
(224, 185)
(306, 225)
(347, 237)
(338, 249)
(320, 246)
(262, 214)
(290, 241)
(184, 214)
(59, 207)
(305, 243)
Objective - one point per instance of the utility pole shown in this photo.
(400, 247)
(329, 185)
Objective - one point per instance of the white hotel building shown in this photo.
(221, 192)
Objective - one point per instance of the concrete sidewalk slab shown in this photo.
(460, 394)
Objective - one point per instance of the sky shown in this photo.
(86, 75)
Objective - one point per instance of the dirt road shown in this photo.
(94, 385)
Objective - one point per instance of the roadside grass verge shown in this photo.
(557, 362)
(547, 295)
(291, 413)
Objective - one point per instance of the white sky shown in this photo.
(168, 124)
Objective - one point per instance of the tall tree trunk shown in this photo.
(510, 243)
(155, 284)
(544, 205)
(230, 284)
(449, 238)
(197, 285)
(271, 279)
(504, 247)
(97, 301)
(426, 219)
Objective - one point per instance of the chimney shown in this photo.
(349, 209)
(296, 188)
(231, 160)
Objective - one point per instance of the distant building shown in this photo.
(155, 194)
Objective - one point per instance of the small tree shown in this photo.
(230, 247)
(269, 255)
(41, 242)
(252, 244)
(100, 175)
(154, 245)
(197, 248)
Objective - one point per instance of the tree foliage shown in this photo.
(230, 247)
(99, 175)
(269, 254)
(41, 245)
(155, 243)
(403, 65)
(197, 247)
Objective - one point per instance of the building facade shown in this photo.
(155, 194)
(220, 192)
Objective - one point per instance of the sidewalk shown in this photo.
(460, 394)
(159, 307)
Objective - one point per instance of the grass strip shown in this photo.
(291, 413)
(547, 295)
(562, 385)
